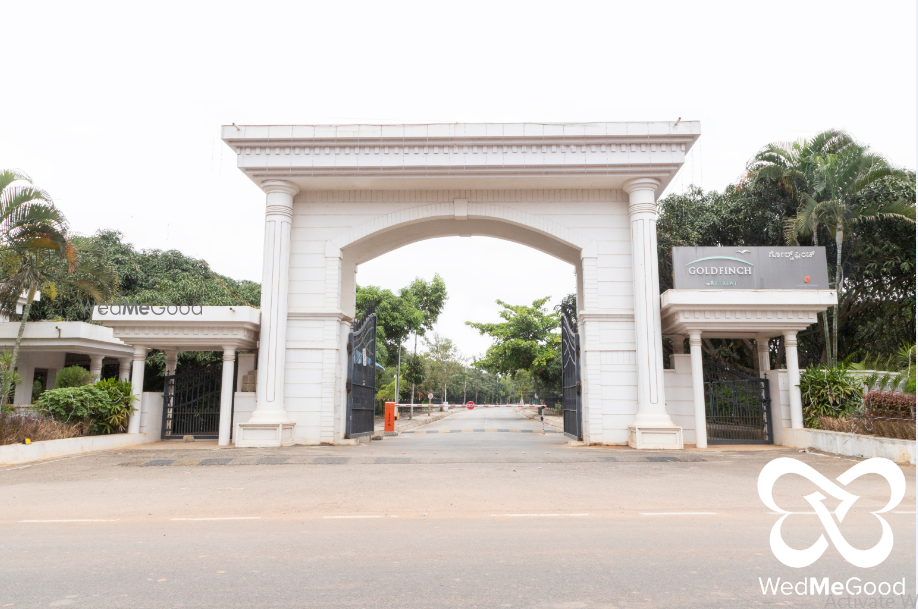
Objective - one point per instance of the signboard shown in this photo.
(750, 268)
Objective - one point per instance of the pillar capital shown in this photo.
(280, 186)
(229, 354)
(642, 197)
(694, 338)
(636, 184)
(790, 337)
(140, 353)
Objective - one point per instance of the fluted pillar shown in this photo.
(761, 345)
(140, 358)
(95, 367)
(171, 361)
(124, 368)
(651, 406)
(793, 379)
(701, 421)
(226, 395)
(269, 424)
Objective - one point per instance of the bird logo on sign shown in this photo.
(743, 251)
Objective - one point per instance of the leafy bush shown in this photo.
(888, 405)
(102, 408)
(829, 392)
(72, 376)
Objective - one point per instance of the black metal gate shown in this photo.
(570, 379)
(737, 407)
(361, 377)
(191, 403)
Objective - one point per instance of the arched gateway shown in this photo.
(338, 196)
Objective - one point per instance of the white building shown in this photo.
(339, 196)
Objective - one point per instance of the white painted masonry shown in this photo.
(584, 193)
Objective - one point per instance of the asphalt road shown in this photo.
(458, 519)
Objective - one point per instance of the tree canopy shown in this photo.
(525, 340)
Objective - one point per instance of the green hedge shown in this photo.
(103, 408)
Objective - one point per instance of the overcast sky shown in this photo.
(115, 107)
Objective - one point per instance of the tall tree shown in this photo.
(36, 252)
(525, 340)
(444, 361)
(429, 299)
(838, 181)
(794, 166)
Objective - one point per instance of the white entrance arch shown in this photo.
(338, 196)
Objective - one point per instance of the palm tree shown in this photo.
(840, 179)
(36, 252)
(794, 165)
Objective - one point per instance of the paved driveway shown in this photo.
(464, 519)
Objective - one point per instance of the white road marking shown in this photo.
(351, 516)
(223, 518)
(73, 520)
(533, 515)
(678, 513)
(42, 463)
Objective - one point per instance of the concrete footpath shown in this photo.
(487, 512)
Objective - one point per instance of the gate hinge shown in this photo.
(347, 385)
(579, 387)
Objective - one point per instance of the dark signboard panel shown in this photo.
(750, 268)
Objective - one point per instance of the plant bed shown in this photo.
(16, 427)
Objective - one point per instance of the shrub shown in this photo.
(829, 392)
(887, 405)
(72, 376)
(102, 408)
(895, 428)
(15, 428)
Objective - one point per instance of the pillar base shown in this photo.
(655, 438)
(264, 435)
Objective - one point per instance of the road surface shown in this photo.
(465, 519)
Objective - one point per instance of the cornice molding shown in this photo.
(650, 150)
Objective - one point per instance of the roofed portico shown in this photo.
(752, 314)
(174, 329)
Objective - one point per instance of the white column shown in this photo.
(642, 210)
(269, 410)
(95, 367)
(124, 368)
(678, 344)
(171, 360)
(140, 357)
(761, 345)
(701, 428)
(226, 395)
(793, 379)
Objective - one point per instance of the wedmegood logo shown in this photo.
(804, 558)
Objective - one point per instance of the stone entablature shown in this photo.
(214, 329)
(331, 153)
(742, 313)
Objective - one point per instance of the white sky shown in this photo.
(115, 107)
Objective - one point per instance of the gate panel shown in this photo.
(191, 403)
(570, 380)
(737, 407)
(361, 378)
